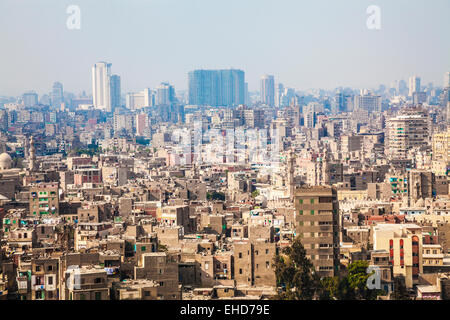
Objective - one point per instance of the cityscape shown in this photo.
(224, 185)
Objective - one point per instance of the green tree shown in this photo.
(215, 196)
(162, 248)
(400, 292)
(351, 286)
(329, 288)
(255, 193)
(357, 281)
(295, 274)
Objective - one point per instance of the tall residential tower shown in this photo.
(268, 90)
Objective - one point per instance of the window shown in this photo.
(50, 281)
(38, 268)
(98, 280)
(312, 201)
(240, 255)
(301, 201)
(143, 248)
(312, 212)
(267, 264)
(82, 296)
(240, 271)
(98, 296)
(267, 251)
(147, 293)
(161, 284)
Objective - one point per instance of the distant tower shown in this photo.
(414, 85)
(325, 168)
(290, 168)
(268, 90)
(57, 95)
(316, 172)
(32, 155)
(101, 86)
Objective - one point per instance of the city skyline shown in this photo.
(236, 152)
(303, 53)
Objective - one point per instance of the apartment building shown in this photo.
(44, 279)
(86, 283)
(404, 244)
(253, 263)
(317, 219)
(44, 199)
(162, 268)
(405, 132)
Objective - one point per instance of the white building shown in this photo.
(447, 80)
(139, 100)
(101, 86)
(268, 90)
(414, 85)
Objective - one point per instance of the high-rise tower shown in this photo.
(101, 86)
(268, 90)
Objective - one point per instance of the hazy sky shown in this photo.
(305, 44)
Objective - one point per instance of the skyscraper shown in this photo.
(447, 80)
(30, 99)
(414, 85)
(165, 94)
(280, 92)
(268, 90)
(246, 95)
(338, 103)
(217, 87)
(402, 89)
(141, 124)
(367, 101)
(57, 95)
(141, 99)
(101, 86)
(115, 91)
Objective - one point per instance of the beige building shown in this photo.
(86, 283)
(135, 290)
(405, 132)
(441, 146)
(317, 217)
(44, 199)
(253, 263)
(404, 244)
(432, 255)
(162, 268)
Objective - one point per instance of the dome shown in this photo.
(5, 161)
